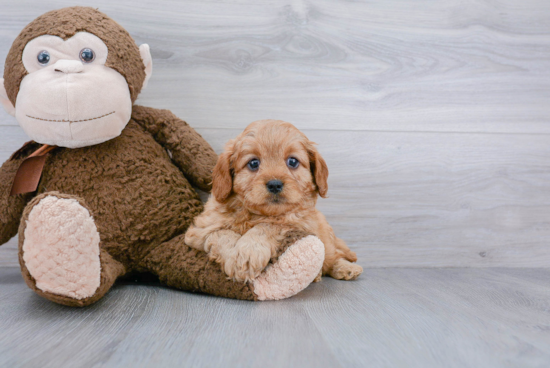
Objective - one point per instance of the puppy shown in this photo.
(265, 184)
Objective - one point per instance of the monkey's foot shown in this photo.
(294, 270)
(60, 247)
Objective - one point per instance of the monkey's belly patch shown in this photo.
(61, 248)
(294, 270)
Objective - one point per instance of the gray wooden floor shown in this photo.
(387, 318)
(434, 119)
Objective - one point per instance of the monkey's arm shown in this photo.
(11, 207)
(190, 152)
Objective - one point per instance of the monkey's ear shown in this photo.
(4, 100)
(147, 61)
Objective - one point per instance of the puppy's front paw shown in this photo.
(247, 261)
(345, 270)
(220, 244)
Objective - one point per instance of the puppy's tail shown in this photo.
(350, 256)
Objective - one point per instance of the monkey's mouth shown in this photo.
(71, 121)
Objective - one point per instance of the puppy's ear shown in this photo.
(319, 169)
(222, 180)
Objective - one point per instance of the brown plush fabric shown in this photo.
(124, 56)
(176, 265)
(11, 207)
(28, 148)
(138, 197)
(174, 134)
(185, 268)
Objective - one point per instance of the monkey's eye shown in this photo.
(292, 162)
(253, 164)
(43, 57)
(87, 55)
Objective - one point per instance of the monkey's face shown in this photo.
(69, 97)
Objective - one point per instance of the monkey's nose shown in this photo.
(275, 186)
(68, 66)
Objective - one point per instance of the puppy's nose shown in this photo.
(275, 186)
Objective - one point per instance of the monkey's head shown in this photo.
(72, 76)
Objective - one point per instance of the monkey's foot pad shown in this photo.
(61, 248)
(294, 270)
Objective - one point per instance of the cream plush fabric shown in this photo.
(61, 248)
(294, 270)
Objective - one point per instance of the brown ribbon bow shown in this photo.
(28, 175)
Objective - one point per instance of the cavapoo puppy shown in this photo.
(265, 184)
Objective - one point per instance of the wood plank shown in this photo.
(388, 317)
(424, 199)
(435, 318)
(423, 66)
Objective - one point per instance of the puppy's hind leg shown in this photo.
(342, 247)
(343, 269)
(338, 262)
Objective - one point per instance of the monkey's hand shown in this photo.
(11, 207)
(190, 152)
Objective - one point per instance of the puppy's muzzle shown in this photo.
(275, 186)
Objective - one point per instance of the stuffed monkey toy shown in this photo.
(105, 186)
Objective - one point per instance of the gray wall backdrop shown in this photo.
(433, 116)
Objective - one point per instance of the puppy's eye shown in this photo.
(253, 164)
(43, 57)
(87, 55)
(292, 162)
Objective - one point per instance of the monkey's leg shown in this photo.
(60, 253)
(183, 267)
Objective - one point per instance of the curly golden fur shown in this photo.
(252, 208)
